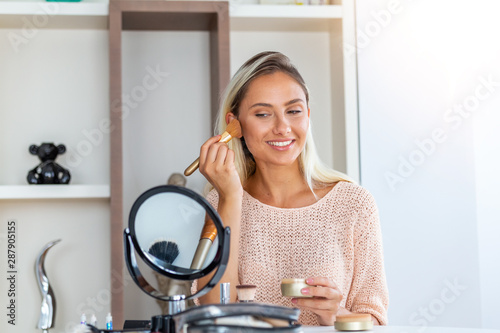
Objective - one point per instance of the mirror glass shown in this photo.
(167, 227)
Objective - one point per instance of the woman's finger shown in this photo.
(323, 292)
(324, 298)
(321, 281)
(216, 153)
(205, 147)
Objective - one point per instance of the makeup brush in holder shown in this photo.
(233, 130)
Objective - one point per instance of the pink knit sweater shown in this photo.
(337, 237)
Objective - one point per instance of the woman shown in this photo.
(290, 216)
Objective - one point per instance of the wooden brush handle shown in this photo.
(209, 230)
(192, 168)
(208, 234)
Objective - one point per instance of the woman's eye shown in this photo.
(295, 111)
(261, 115)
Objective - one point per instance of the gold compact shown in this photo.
(354, 322)
(292, 287)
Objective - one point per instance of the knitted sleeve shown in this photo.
(368, 293)
(213, 198)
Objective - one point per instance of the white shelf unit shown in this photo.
(83, 8)
(100, 8)
(285, 11)
(54, 192)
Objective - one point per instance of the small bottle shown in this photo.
(93, 320)
(224, 293)
(109, 322)
(83, 319)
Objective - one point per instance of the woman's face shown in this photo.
(274, 119)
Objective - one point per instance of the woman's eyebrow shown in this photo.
(296, 100)
(267, 105)
(293, 101)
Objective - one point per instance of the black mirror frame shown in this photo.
(131, 245)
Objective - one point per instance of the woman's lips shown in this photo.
(280, 144)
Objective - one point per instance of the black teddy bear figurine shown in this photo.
(48, 172)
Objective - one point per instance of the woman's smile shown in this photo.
(281, 145)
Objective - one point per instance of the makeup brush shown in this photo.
(208, 234)
(233, 130)
(164, 250)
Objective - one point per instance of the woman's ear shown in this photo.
(308, 112)
(230, 116)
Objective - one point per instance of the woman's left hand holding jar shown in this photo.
(325, 302)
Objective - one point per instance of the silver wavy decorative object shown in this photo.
(48, 308)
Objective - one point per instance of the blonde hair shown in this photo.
(315, 173)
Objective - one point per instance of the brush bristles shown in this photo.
(246, 292)
(164, 250)
(234, 128)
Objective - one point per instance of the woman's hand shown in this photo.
(325, 302)
(217, 165)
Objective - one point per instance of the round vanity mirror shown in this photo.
(177, 233)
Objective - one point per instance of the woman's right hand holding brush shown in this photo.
(217, 165)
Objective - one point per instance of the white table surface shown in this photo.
(404, 329)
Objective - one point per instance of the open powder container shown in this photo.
(292, 288)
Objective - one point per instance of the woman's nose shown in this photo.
(282, 126)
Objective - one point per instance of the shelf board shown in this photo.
(54, 191)
(40, 7)
(100, 8)
(285, 11)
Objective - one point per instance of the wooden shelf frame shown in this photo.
(154, 15)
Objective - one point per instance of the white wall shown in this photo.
(487, 164)
(433, 169)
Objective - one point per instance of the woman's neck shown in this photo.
(278, 186)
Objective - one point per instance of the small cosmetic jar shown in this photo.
(292, 287)
(354, 322)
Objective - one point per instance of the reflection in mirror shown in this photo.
(168, 227)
